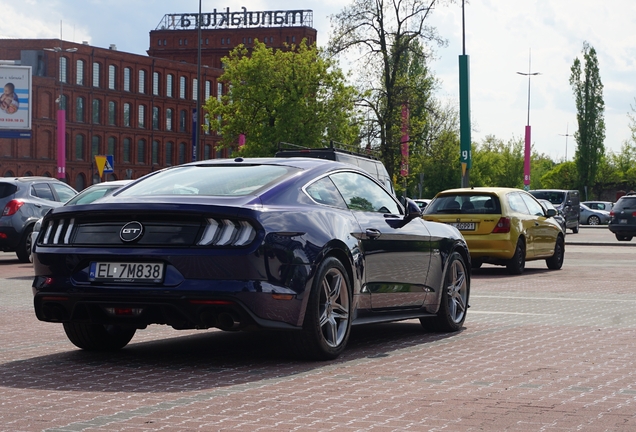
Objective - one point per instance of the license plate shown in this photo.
(126, 272)
(464, 226)
(623, 221)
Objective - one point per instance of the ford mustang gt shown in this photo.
(307, 246)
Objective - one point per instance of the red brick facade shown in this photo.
(137, 108)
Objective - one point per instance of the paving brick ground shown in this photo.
(544, 351)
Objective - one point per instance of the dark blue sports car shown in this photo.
(306, 245)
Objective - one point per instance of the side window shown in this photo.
(64, 192)
(324, 192)
(534, 207)
(362, 194)
(516, 203)
(42, 190)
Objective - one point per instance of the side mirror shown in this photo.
(551, 213)
(412, 209)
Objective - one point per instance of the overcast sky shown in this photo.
(500, 35)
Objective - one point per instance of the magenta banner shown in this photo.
(526, 160)
(61, 144)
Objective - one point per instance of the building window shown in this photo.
(126, 150)
(155, 118)
(155, 152)
(169, 119)
(94, 147)
(141, 117)
(182, 153)
(293, 39)
(127, 76)
(180, 42)
(79, 70)
(142, 81)
(249, 40)
(185, 42)
(141, 151)
(243, 41)
(208, 90)
(112, 146)
(127, 115)
(207, 41)
(80, 182)
(195, 89)
(169, 154)
(111, 113)
(79, 147)
(97, 111)
(206, 152)
(222, 41)
(79, 110)
(159, 41)
(112, 73)
(228, 41)
(96, 74)
(169, 85)
(165, 42)
(63, 102)
(219, 90)
(183, 121)
(63, 69)
(155, 83)
(182, 87)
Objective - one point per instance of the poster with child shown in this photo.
(15, 95)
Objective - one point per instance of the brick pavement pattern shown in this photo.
(544, 351)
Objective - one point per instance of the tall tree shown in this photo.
(391, 37)
(296, 95)
(586, 83)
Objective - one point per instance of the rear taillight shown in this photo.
(612, 213)
(503, 226)
(12, 207)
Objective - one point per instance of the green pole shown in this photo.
(465, 154)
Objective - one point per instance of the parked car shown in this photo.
(566, 201)
(547, 205)
(593, 217)
(599, 205)
(24, 200)
(501, 226)
(422, 202)
(623, 218)
(86, 196)
(307, 245)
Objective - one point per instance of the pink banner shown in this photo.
(526, 160)
(61, 144)
(404, 170)
(241, 140)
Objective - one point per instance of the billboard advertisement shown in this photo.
(15, 97)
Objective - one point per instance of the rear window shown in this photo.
(211, 180)
(464, 204)
(625, 203)
(555, 197)
(7, 189)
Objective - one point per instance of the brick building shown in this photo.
(137, 108)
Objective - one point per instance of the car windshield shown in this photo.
(554, 197)
(89, 195)
(210, 180)
(7, 189)
(464, 204)
(625, 203)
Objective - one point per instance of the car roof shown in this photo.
(492, 190)
(29, 179)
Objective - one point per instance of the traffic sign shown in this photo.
(100, 161)
(110, 164)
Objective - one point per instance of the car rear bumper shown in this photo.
(622, 229)
(499, 246)
(9, 238)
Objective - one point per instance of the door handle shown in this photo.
(373, 233)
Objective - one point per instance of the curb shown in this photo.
(580, 243)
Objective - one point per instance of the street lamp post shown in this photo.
(199, 102)
(526, 160)
(566, 140)
(61, 117)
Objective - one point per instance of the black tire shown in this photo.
(517, 264)
(23, 251)
(555, 262)
(593, 220)
(620, 237)
(575, 230)
(98, 337)
(454, 302)
(327, 322)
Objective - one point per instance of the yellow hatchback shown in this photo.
(502, 226)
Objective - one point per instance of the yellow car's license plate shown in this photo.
(464, 226)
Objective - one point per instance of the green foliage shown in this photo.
(496, 163)
(391, 44)
(563, 176)
(294, 95)
(588, 94)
